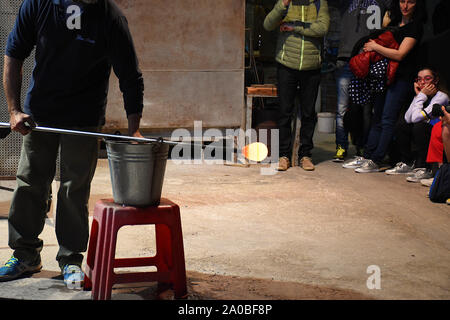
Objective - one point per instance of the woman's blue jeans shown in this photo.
(343, 76)
(387, 107)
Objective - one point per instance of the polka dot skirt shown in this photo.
(362, 91)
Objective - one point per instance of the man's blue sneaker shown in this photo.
(73, 276)
(14, 268)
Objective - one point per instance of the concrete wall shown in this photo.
(192, 57)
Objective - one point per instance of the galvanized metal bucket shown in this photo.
(137, 171)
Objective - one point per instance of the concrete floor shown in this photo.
(322, 228)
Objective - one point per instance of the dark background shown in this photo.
(260, 66)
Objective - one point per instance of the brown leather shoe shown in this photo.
(306, 164)
(283, 164)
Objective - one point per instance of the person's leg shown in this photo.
(29, 203)
(309, 87)
(375, 128)
(396, 97)
(401, 154)
(421, 134)
(362, 134)
(367, 110)
(78, 162)
(287, 89)
(403, 141)
(343, 76)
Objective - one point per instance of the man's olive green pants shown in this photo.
(36, 171)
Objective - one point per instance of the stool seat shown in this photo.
(108, 218)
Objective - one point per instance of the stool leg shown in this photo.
(97, 240)
(163, 252)
(110, 252)
(163, 247)
(170, 251)
(91, 255)
(100, 255)
(179, 272)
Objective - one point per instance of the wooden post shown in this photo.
(296, 138)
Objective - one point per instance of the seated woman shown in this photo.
(414, 130)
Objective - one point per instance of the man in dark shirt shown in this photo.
(77, 42)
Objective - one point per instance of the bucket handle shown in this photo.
(157, 145)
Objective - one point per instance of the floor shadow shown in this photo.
(325, 151)
(221, 287)
(203, 286)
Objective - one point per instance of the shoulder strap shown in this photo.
(317, 3)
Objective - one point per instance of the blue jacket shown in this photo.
(69, 84)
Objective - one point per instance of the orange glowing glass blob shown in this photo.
(256, 151)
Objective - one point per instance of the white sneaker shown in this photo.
(400, 168)
(368, 166)
(414, 172)
(427, 182)
(354, 163)
(419, 174)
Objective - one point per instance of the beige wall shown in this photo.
(192, 57)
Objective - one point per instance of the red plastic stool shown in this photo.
(108, 218)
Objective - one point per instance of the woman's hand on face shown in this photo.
(416, 88)
(430, 89)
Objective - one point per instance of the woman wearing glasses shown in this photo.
(414, 131)
(427, 93)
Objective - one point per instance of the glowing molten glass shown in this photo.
(256, 151)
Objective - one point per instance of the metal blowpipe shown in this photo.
(256, 151)
(94, 134)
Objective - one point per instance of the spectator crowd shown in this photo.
(391, 93)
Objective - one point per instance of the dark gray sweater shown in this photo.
(357, 16)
